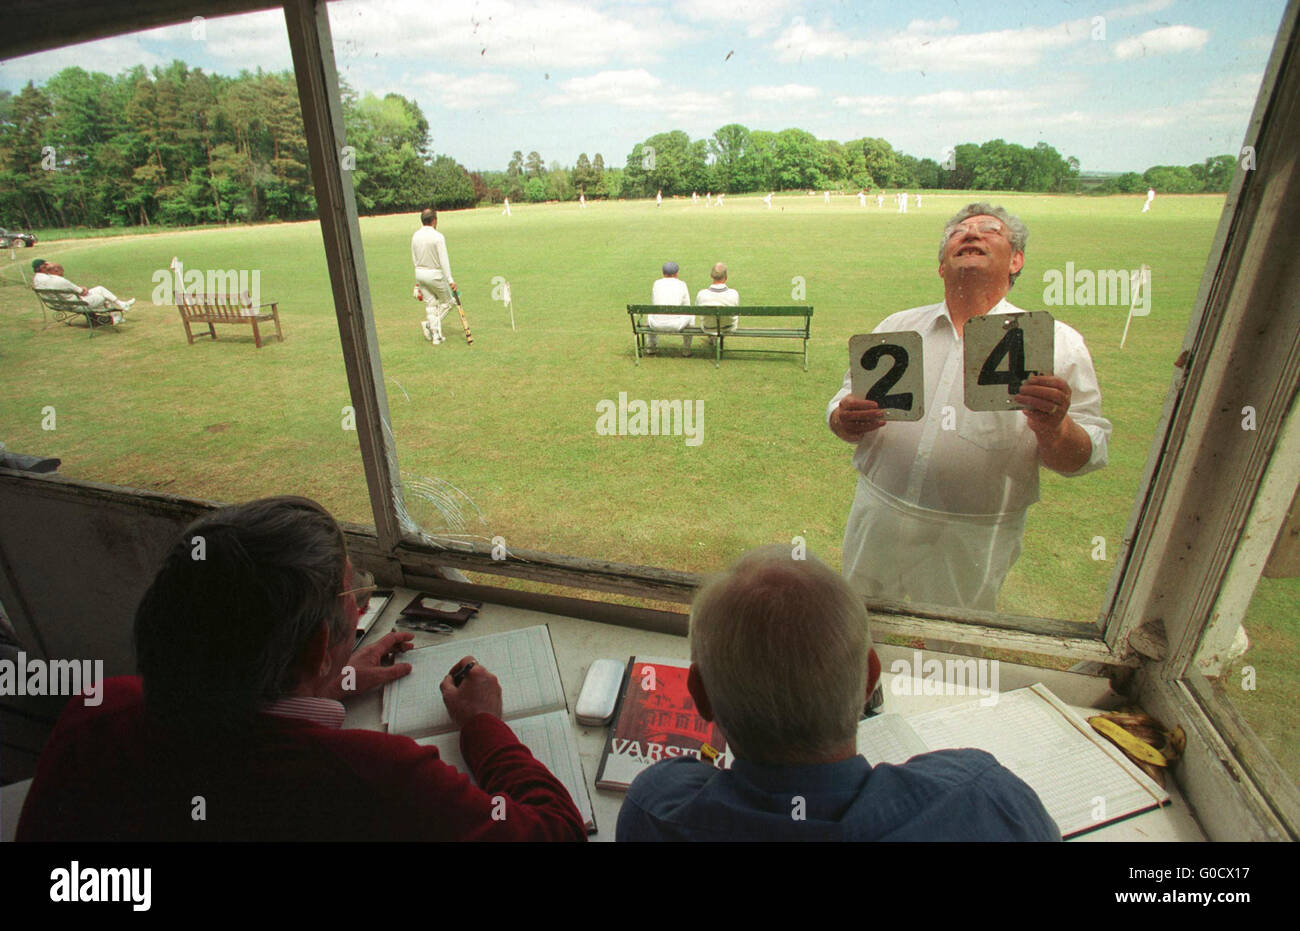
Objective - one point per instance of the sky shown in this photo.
(1119, 87)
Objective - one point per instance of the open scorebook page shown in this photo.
(522, 660)
(549, 737)
(1082, 779)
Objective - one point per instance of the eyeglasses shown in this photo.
(361, 594)
(983, 228)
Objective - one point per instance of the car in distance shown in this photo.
(14, 238)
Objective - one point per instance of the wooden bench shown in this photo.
(214, 309)
(640, 329)
(67, 306)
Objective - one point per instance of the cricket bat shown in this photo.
(463, 322)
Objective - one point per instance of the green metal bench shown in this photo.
(67, 306)
(640, 329)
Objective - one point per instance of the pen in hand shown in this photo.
(459, 675)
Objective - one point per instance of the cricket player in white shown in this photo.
(432, 274)
(48, 276)
(718, 294)
(671, 291)
(862, 199)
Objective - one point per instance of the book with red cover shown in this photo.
(655, 720)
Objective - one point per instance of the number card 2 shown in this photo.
(888, 368)
(1002, 351)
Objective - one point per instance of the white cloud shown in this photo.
(1162, 41)
(783, 93)
(465, 92)
(946, 24)
(638, 89)
(984, 102)
(869, 105)
(954, 107)
(632, 88)
(933, 45)
(1138, 9)
(247, 41)
(757, 16)
(548, 34)
(1005, 49)
(107, 55)
(1234, 93)
(800, 42)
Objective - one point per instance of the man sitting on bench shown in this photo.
(718, 295)
(49, 277)
(672, 291)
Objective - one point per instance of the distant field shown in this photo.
(511, 421)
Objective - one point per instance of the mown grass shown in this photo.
(511, 420)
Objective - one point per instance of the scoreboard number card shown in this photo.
(888, 368)
(1002, 351)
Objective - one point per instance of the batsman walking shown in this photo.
(433, 275)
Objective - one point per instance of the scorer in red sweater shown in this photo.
(111, 772)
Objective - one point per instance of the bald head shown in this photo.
(781, 645)
(719, 272)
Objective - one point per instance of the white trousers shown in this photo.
(100, 298)
(437, 298)
(898, 552)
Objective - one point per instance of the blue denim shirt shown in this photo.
(947, 795)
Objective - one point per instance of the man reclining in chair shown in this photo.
(48, 276)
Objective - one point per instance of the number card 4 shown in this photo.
(1002, 351)
(888, 368)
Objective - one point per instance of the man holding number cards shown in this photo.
(941, 501)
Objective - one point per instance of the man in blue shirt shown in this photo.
(782, 659)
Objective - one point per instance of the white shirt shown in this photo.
(46, 282)
(718, 295)
(988, 464)
(429, 250)
(672, 292)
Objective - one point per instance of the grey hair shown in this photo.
(719, 272)
(224, 626)
(781, 645)
(1019, 233)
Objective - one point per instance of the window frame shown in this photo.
(1199, 482)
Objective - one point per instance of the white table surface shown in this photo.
(578, 642)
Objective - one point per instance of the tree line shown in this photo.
(177, 146)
